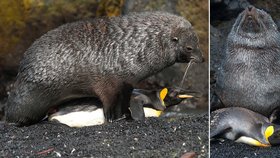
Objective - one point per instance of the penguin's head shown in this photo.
(267, 130)
(176, 96)
(164, 97)
(259, 135)
(273, 135)
(270, 135)
(157, 105)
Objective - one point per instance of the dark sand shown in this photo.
(154, 137)
(230, 149)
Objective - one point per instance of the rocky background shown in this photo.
(23, 21)
(222, 17)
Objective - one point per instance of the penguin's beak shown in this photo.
(251, 141)
(259, 144)
(185, 96)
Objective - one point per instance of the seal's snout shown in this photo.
(251, 11)
(250, 8)
(197, 57)
(250, 22)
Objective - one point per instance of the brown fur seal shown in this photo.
(102, 57)
(250, 71)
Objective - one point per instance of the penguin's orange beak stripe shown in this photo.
(251, 141)
(268, 132)
(163, 94)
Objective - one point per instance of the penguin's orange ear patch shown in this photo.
(268, 132)
(163, 93)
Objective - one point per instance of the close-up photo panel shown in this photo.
(244, 79)
(130, 78)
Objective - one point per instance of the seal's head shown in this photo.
(252, 27)
(186, 43)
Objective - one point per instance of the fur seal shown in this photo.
(250, 71)
(102, 57)
(88, 111)
(245, 126)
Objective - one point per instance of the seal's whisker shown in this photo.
(185, 74)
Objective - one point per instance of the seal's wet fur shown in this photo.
(102, 57)
(250, 71)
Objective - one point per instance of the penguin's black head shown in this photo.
(274, 137)
(166, 97)
(176, 96)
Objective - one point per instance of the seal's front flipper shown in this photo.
(115, 99)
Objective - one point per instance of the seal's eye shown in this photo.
(189, 48)
(175, 39)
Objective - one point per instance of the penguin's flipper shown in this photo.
(216, 131)
(217, 125)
